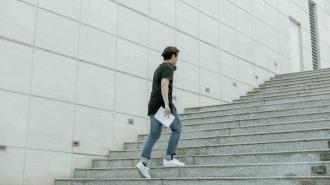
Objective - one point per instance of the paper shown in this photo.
(160, 116)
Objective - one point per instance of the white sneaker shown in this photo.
(143, 170)
(173, 162)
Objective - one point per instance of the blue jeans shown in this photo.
(155, 131)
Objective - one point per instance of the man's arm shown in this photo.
(164, 87)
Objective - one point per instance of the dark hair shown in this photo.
(169, 51)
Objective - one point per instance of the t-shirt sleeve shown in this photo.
(167, 72)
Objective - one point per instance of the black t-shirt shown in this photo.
(164, 70)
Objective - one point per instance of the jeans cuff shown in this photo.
(144, 160)
(168, 157)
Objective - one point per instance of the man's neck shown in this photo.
(167, 61)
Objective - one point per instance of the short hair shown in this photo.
(169, 51)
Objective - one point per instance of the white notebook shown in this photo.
(160, 116)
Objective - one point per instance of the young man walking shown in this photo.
(161, 95)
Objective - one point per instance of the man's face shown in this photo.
(174, 60)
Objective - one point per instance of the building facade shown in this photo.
(76, 75)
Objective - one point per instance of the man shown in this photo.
(161, 95)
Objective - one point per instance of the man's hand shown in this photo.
(167, 111)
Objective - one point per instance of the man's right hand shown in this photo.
(167, 111)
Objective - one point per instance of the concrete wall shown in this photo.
(77, 70)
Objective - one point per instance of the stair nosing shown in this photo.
(231, 144)
(296, 91)
(281, 97)
(226, 154)
(213, 165)
(304, 72)
(262, 92)
(311, 86)
(257, 100)
(195, 178)
(255, 106)
(247, 126)
(298, 76)
(312, 78)
(221, 122)
(249, 119)
(262, 111)
(240, 135)
(295, 82)
(245, 97)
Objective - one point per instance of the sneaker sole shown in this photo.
(174, 166)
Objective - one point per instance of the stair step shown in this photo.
(285, 145)
(303, 73)
(292, 180)
(288, 90)
(222, 138)
(299, 80)
(284, 95)
(286, 99)
(280, 88)
(295, 84)
(235, 158)
(259, 121)
(253, 103)
(287, 93)
(234, 130)
(234, 124)
(245, 118)
(288, 108)
(219, 170)
(258, 108)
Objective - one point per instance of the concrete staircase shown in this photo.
(278, 134)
